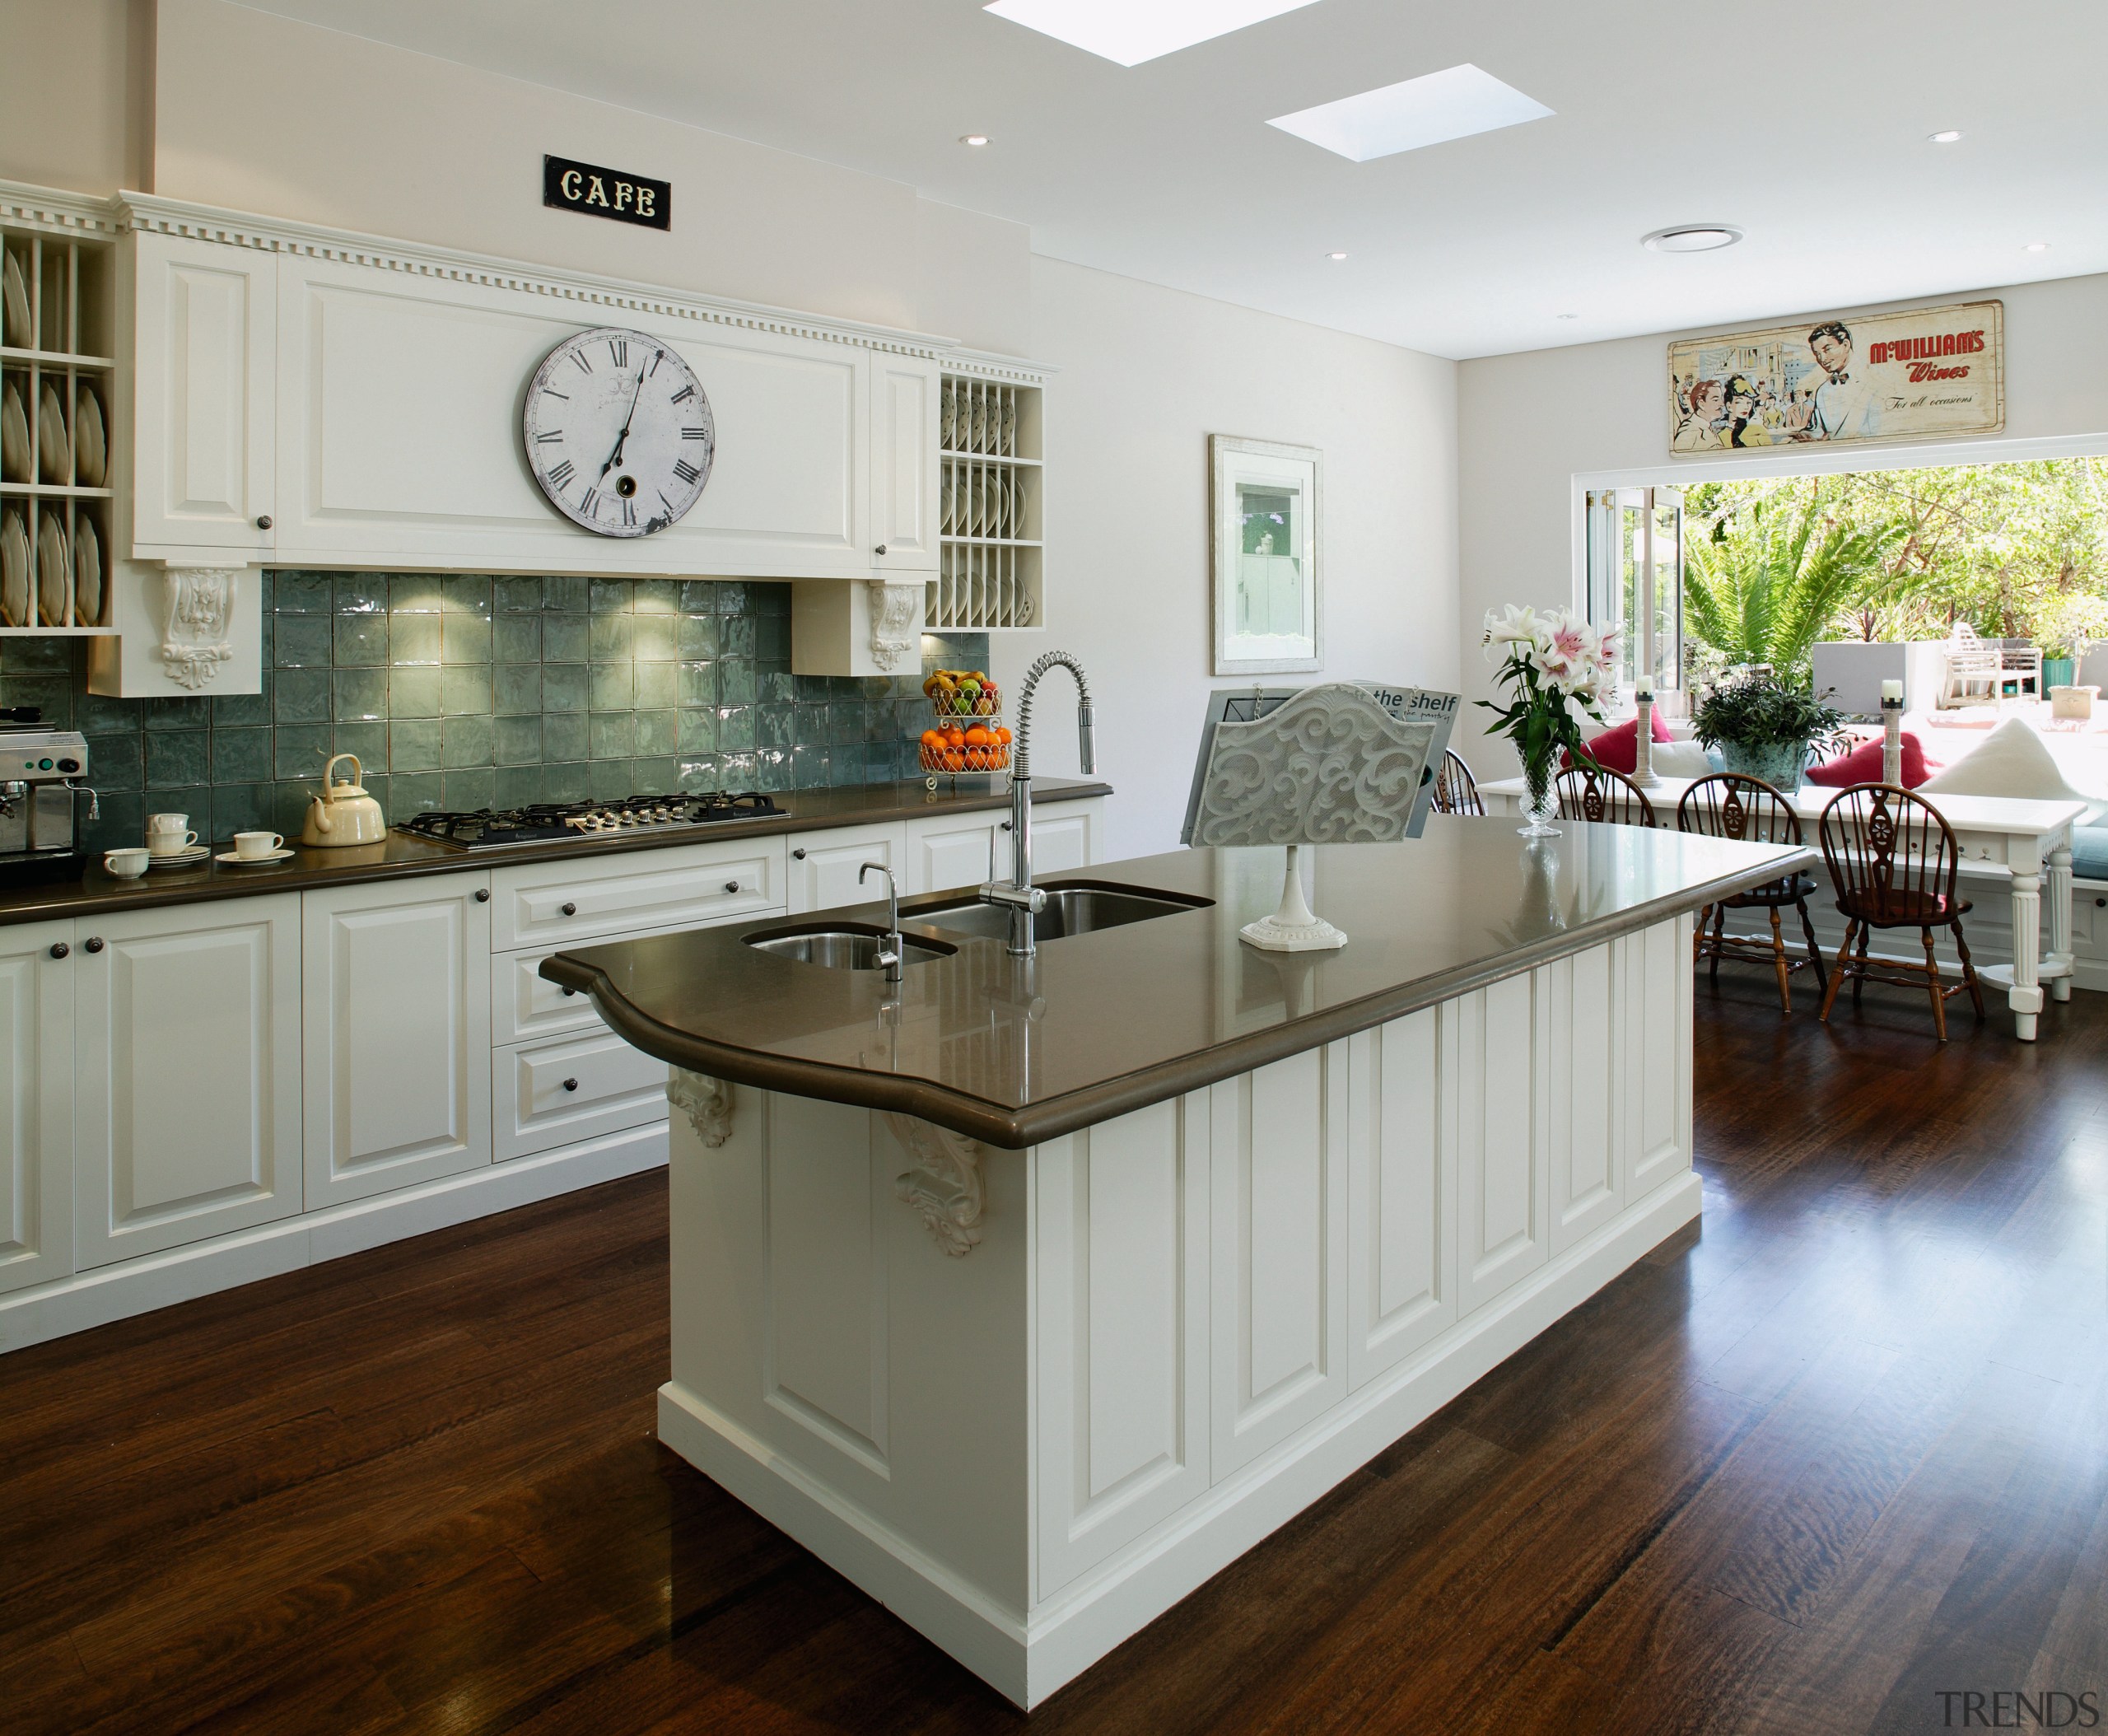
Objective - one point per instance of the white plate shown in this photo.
(18, 308)
(54, 449)
(14, 571)
(250, 861)
(53, 580)
(87, 572)
(189, 858)
(90, 441)
(17, 465)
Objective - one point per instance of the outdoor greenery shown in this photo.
(1765, 710)
(2019, 551)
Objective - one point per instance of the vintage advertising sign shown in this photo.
(607, 193)
(1928, 374)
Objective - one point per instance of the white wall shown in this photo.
(1528, 425)
(76, 93)
(1148, 373)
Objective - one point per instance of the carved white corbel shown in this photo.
(198, 623)
(896, 621)
(707, 1102)
(944, 1187)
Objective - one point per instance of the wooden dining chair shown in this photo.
(1729, 805)
(1598, 793)
(1893, 859)
(1456, 790)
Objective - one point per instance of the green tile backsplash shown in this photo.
(460, 691)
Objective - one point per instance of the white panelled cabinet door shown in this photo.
(36, 1103)
(824, 865)
(205, 322)
(903, 464)
(960, 850)
(1064, 838)
(186, 1032)
(397, 1029)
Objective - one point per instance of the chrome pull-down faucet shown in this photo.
(1023, 899)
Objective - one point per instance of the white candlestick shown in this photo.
(1643, 740)
(1892, 691)
(1891, 724)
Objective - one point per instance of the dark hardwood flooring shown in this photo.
(1843, 1447)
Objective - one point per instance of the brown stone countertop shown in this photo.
(1015, 1051)
(399, 855)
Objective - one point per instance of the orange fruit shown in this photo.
(955, 737)
(931, 739)
(1002, 736)
(977, 737)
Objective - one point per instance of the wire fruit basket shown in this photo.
(966, 735)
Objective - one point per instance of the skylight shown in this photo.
(1131, 31)
(1420, 111)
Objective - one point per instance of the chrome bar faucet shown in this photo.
(890, 952)
(1024, 899)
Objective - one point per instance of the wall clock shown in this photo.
(618, 431)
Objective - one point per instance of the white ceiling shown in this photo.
(1802, 122)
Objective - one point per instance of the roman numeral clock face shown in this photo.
(618, 432)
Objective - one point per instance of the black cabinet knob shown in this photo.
(797, 856)
(731, 885)
(1006, 825)
(569, 992)
(571, 1085)
(59, 949)
(882, 548)
(263, 521)
(95, 943)
(569, 909)
(483, 894)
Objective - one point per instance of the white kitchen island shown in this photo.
(1031, 1294)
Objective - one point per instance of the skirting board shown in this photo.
(1028, 1659)
(116, 1292)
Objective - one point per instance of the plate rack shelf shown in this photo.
(991, 560)
(58, 345)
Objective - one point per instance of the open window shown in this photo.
(1635, 579)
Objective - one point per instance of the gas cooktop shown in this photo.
(492, 828)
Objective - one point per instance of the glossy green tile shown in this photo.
(464, 687)
(564, 638)
(655, 685)
(361, 640)
(465, 741)
(117, 761)
(735, 635)
(413, 693)
(610, 637)
(699, 596)
(413, 745)
(419, 593)
(516, 741)
(736, 681)
(466, 639)
(697, 773)
(300, 750)
(360, 593)
(653, 638)
(735, 728)
(420, 792)
(609, 596)
(241, 711)
(516, 688)
(516, 639)
(564, 687)
(302, 593)
(359, 695)
(565, 735)
(696, 636)
(241, 808)
(613, 688)
(241, 756)
(698, 730)
(657, 732)
(465, 593)
(656, 776)
(36, 656)
(369, 741)
(655, 596)
(466, 790)
(565, 592)
(608, 780)
(516, 787)
(177, 759)
(413, 638)
(772, 726)
(515, 596)
(738, 770)
(566, 780)
(302, 642)
(731, 597)
(613, 735)
(52, 695)
(698, 684)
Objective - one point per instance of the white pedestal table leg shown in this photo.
(2060, 919)
(2025, 997)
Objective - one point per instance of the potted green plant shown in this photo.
(1762, 727)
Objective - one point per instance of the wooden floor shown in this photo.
(1845, 1448)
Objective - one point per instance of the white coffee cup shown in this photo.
(249, 845)
(127, 865)
(171, 844)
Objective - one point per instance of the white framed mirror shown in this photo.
(1267, 506)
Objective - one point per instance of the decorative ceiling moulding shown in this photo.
(41, 208)
(149, 212)
(1011, 369)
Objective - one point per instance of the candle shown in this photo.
(1891, 692)
(1643, 689)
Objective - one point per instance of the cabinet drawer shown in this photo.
(527, 1007)
(544, 1094)
(564, 903)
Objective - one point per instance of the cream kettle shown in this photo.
(343, 813)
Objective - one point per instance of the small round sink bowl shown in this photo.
(841, 949)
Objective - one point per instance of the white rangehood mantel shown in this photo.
(293, 395)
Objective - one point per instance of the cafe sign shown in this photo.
(614, 193)
(1931, 373)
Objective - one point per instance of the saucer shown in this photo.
(189, 858)
(249, 862)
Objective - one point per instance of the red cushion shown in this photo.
(1863, 765)
(1619, 748)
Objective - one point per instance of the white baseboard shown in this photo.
(1027, 1659)
(128, 1287)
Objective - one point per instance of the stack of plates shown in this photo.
(189, 858)
(53, 576)
(87, 573)
(90, 442)
(15, 460)
(14, 571)
(18, 307)
(55, 449)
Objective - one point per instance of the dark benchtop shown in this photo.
(399, 855)
(1014, 1052)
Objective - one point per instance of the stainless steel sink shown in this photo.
(841, 949)
(1071, 910)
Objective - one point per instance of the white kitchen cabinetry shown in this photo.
(187, 1073)
(903, 465)
(555, 1092)
(824, 865)
(205, 336)
(1064, 839)
(555, 905)
(395, 992)
(958, 850)
(1504, 1182)
(36, 1104)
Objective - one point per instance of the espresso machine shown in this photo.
(42, 770)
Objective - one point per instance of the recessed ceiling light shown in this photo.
(1948, 137)
(1692, 238)
(1131, 31)
(1452, 104)
(1335, 256)
(1569, 316)
(974, 138)
(2038, 246)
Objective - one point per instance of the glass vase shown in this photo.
(1539, 799)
